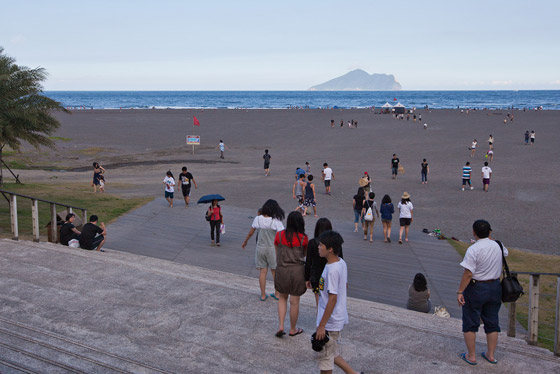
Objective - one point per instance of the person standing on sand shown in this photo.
(405, 216)
(332, 313)
(395, 166)
(369, 220)
(310, 196)
(169, 183)
(221, 146)
(186, 180)
(467, 171)
(297, 192)
(486, 175)
(307, 168)
(327, 176)
(291, 249)
(480, 293)
(387, 209)
(269, 223)
(473, 147)
(425, 170)
(332, 123)
(266, 158)
(527, 137)
(358, 205)
(532, 137)
(341, 123)
(491, 141)
(97, 171)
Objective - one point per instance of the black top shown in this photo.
(308, 191)
(88, 234)
(66, 233)
(359, 202)
(266, 157)
(314, 264)
(185, 178)
(395, 163)
(424, 167)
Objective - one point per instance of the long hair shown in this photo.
(361, 192)
(322, 225)
(420, 284)
(386, 200)
(294, 225)
(405, 201)
(272, 209)
(169, 174)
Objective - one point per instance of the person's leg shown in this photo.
(294, 313)
(100, 245)
(218, 224)
(406, 228)
(315, 210)
(212, 231)
(491, 342)
(389, 231)
(401, 229)
(470, 339)
(282, 309)
(371, 231)
(262, 282)
(356, 218)
(342, 364)
(273, 272)
(384, 231)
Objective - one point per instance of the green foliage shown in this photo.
(25, 114)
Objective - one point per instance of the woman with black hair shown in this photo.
(358, 205)
(169, 182)
(269, 222)
(314, 264)
(216, 220)
(291, 248)
(406, 209)
(97, 171)
(387, 209)
(419, 295)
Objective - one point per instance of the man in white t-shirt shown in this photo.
(331, 312)
(486, 175)
(480, 292)
(328, 175)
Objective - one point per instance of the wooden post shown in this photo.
(557, 324)
(13, 216)
(54, 225)
(533, 321)
(35, 219)
(511, 320)
(84, 216)
(69, 209)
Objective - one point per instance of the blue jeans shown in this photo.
(482, 301)
(358, 215)
(424, 176)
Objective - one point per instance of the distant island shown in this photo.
(359, 80)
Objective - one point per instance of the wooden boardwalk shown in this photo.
(378, 272)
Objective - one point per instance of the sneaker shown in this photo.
(472, 188)
(462, 189)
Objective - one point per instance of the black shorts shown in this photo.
(94, 244)
(405, 221)
(327, 183)
(267, 165)
(465, 181)
(394, 171)
(186, 189)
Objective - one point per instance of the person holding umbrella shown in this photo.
(213, 216)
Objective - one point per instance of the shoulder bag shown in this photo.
(511, 289)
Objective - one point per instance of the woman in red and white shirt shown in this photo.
(216, 220)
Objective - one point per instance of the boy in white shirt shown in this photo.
(328, 175)
(486, 175)
(332, 314)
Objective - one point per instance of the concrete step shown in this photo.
(128, 313)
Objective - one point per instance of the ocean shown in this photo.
(548, 100)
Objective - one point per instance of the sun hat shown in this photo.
(365, 172)
(405, 195)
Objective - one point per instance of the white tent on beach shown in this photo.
(399, 108)
(386, 108)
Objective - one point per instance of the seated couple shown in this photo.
(91, 237)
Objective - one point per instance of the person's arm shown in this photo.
(251, 232)
(428, 169)
(294, 189)
(195, 185)
(354, 203)
(465, 280)
(331, 303)
(411, 215)
(104, 229)
(332, 176)
(308, 263)
(376, 211)
(323, 175)
(313, 188)
(75, 231)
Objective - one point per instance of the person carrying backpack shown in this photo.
(368, 212)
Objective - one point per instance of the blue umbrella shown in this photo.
(209, 198)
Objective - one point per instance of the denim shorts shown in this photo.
(358, 215)
(482, 301)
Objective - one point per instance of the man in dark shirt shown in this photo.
(395, 165)
(89, 239)
(68, 231)
(187, 180)
(266, 158)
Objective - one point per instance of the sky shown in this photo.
(284, 45)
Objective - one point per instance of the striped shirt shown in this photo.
(467, 172)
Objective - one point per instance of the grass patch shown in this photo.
(532, 262)
(91, 151)
(108, 207)
(62, 139)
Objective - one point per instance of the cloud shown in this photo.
(557, 81)
(501, 83)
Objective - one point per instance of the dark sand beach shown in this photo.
(138, 146)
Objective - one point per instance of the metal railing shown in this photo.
(13, 199)
(533, 311)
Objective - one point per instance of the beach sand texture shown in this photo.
(138, 146)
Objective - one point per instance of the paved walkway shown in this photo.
(64, 310)
(380, 272)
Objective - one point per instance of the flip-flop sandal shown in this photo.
(299, 331)
(273, 296)
(280, 333)
(464, 358)
(265, 297)
(487, 359)
(400, 241)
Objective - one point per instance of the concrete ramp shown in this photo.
(66, 310)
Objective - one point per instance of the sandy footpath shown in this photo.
(138, 146)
